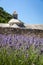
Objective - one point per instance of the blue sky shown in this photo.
(30, 11)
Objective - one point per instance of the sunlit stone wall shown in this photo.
(17, 38)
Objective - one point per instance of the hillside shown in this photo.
(4, 16)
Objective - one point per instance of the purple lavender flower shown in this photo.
(20, 40)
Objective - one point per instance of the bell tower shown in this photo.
(15, 15)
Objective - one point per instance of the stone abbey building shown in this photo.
(16, 34)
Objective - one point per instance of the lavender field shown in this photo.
(17, 40)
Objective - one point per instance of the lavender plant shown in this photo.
(17, 41)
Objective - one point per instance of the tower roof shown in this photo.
(14, 12)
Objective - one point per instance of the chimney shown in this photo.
(15, 15)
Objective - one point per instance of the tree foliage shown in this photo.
(4, 16)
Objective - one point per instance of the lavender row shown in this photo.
(19, 40)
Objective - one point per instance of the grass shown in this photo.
(9, 56)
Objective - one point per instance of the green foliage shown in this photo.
(4, 16)
(10, 56)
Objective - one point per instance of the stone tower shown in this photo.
(15, 15)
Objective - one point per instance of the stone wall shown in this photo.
(28, 32)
